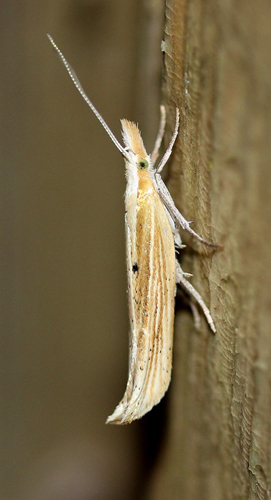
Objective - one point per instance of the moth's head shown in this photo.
(134, 145)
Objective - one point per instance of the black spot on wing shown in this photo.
(135, 268)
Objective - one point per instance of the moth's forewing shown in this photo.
(151, 272)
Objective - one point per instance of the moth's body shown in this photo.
(151, 271)
(152, 232)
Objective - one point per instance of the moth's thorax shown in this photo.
(145, 185)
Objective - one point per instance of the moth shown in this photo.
(152, 224)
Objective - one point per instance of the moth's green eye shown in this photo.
(143, 164)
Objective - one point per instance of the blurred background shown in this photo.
(64, 319)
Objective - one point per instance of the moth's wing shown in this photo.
(151, 289)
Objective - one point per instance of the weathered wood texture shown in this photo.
(218, 71)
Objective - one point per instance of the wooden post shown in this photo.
(218, 72)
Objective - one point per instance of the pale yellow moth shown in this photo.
(152, 233)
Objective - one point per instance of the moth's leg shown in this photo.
(175, 232)
(174, 212)
(160, 135)
(195, 295)
(192, 304)
(195, 313)
(180, 272)
(171, 144)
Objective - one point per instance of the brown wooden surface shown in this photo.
(218, 71)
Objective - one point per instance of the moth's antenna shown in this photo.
(84, 95)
